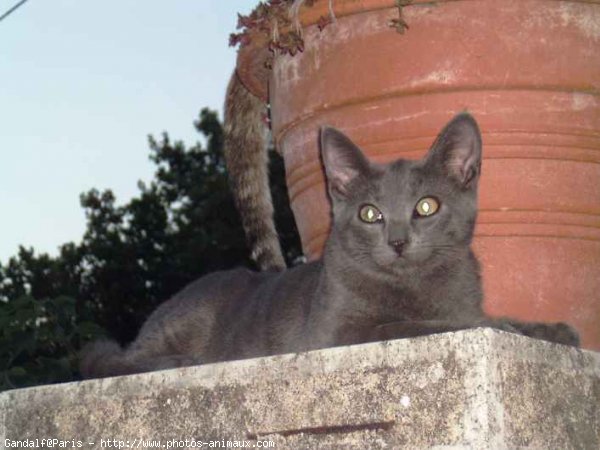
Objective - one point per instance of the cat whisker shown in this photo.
(442, 247)
(437, 246)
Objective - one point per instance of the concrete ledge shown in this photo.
(481, 389)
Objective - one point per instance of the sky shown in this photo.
(82, 84)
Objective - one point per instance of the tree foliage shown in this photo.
(182, 225)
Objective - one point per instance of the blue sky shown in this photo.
(82, 84)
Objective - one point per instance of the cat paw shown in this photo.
(565, 334)
(559, 333)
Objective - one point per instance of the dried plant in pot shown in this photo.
(528, 70)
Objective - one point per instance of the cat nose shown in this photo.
(398, 246)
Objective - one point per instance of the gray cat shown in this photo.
(397, 263)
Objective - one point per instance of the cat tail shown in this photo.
(104, 358)
(247, 160)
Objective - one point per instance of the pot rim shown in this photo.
(250, 65)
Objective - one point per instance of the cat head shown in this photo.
(406, 213)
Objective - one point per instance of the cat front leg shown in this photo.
(559, 333)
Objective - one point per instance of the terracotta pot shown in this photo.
(528, 70)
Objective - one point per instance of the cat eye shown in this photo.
(370, 214)
(427, 206)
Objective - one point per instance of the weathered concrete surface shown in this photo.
(480, 389)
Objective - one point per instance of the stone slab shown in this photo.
(474, 389)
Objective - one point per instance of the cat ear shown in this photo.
(344, 162)
(457, 150)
